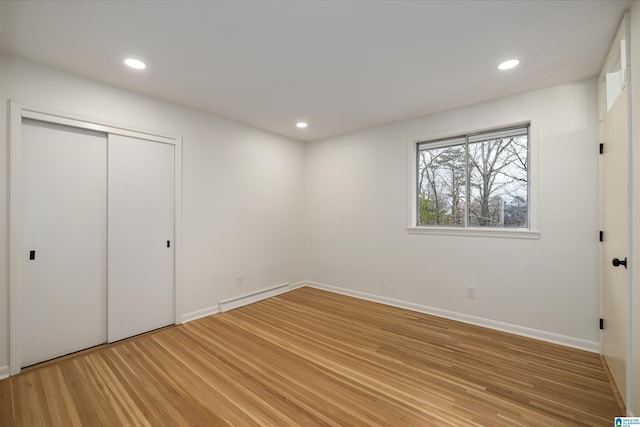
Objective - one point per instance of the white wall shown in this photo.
(357, 202)
(242, 188)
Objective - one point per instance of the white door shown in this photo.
(64, 240)
(141, 236)
(614, 246)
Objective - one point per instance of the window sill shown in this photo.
(509, 233)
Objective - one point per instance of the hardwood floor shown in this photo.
(313, 358)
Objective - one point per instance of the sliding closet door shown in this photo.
(64, 240)
(141, 236)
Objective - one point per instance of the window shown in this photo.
(478, 180)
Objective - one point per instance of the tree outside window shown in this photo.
(478, 180)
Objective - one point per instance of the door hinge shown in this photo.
(601, 148)
(601, 323)
(601, 236)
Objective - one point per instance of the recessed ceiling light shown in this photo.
(135, 63)
(301, 125)
(507, 65)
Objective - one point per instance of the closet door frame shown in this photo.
(17, 112)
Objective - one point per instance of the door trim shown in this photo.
(16, 113)
(627, 36)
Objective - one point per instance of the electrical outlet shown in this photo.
(471, 292)
(239, 280)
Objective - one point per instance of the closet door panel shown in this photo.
(141, 236)
(64, 207)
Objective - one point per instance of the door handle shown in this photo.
(618, 262)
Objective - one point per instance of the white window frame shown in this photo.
(531, 232)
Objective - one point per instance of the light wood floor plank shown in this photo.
(313, 358)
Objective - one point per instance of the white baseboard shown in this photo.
(592, 346)
(4, 372)
(198, 314)
(237, 302)
(299, 285)
(240, 301)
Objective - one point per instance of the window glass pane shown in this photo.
(441, 185)
(498, 182)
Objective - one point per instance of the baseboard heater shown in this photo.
(230, 304)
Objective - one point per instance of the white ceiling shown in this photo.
(340, 65)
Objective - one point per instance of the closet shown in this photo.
(97, 231)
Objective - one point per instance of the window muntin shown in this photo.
(476, 180)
